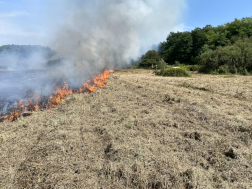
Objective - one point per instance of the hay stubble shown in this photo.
(139, 131)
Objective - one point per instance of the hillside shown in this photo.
(138, 131)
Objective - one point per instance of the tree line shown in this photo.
(223, 49)
(25, 51)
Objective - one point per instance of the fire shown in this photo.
(58, 95)
(98, 81)
(14, 115)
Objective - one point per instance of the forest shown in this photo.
(223, 49)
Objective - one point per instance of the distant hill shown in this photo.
(24, 56)
(26, 51)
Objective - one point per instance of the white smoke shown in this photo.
(90, 36)
(106, 34)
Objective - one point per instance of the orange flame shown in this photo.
(58, 95)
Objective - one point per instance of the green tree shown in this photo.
(216, 38)
(162, 48)
(178, 47)
(152, 55)
(199, 38)
(150, 58)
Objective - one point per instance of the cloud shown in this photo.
(182, 27)
(8, 27)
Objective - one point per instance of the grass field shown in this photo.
(138, 131)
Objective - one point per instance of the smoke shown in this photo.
(90, 36)
(107, 34)
(12, 61)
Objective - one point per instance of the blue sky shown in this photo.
(30, 21)
(215, 12)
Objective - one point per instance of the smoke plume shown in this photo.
(106, 34)
(90, 36)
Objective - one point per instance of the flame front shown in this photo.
(58, 95)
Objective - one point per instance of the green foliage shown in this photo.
(234, 59)
(216, 38)
(187, 47)
(178, 47)
(161, 64)
(151, 55)
(238, 27)
(148, 62)
(161, 48)
(192, 67)
(219, 50)
(173, 72)
(152, 58)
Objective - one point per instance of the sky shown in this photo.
(33, 22)
(215, 12)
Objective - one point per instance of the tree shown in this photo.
(178, 47)
(199, 38)
(187, 47)
(161, 48)
(150, 58)
(216, 38)
(152, 55)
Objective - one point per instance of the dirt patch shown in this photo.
(138, 131)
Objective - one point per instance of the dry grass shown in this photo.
(139, 131)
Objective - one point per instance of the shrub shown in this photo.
(149, 59)
(173, 72)
(235, 59)
(205, 69)
(148, 62)
(192, 67)
(223, 69)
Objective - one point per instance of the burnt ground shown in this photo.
(139, 131)
(17, 85)
(26, 85)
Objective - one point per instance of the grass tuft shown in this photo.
(185, 84)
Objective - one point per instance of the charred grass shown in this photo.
(138, 131)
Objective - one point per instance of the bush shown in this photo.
(148, 62)
(149, 59)
(173, 72)
(235, 59)
(192, 67)
(223, 69)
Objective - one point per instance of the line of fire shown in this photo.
(37, 102)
